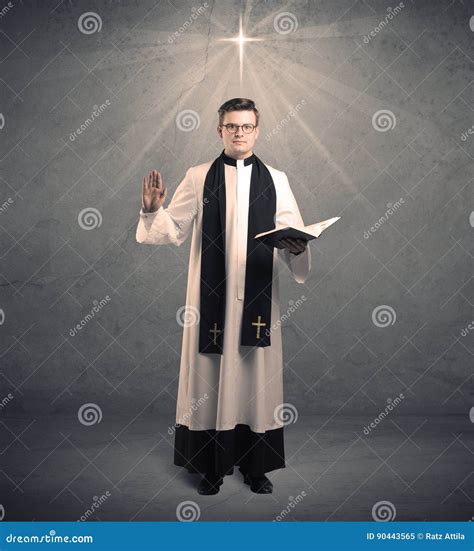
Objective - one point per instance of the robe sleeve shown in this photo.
(288, 214)
(173, 224)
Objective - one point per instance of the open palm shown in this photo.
(153, 193)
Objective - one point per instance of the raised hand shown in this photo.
(153, 194)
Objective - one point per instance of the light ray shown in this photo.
(241, 39)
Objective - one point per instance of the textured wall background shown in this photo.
(359, 122)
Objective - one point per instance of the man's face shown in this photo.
(238, 145)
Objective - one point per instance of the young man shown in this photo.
(230, 387)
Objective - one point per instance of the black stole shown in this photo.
(256, 319)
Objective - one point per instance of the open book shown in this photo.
(272, 237)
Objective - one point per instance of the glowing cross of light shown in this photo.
(241, 39)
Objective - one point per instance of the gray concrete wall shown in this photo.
(360, 123)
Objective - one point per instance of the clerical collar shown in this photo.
(230, 161)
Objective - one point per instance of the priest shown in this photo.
(230, 389)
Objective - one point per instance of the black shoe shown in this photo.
(259, 484)
(209, 485)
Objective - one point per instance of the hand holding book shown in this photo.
(279, 237)
(295, 246)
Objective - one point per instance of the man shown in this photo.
(231, 374)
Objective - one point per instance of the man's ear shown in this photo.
(219, 131)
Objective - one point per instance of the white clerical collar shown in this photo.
(239, 163)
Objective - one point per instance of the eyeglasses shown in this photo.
(232, 128)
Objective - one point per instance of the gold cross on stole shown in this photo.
(258, 324)
(215, 331)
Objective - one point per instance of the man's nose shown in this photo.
(239, 132)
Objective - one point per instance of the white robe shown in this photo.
(244, 385)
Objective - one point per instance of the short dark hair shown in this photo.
(238, 104)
